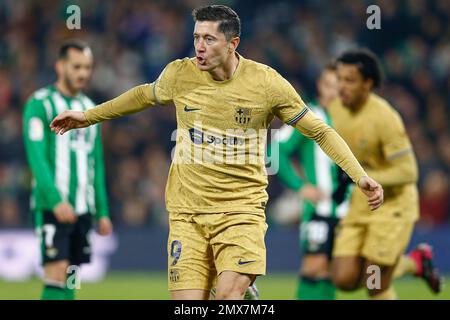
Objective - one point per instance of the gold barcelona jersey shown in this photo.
(218, 164)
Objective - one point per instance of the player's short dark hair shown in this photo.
(71, 44)
(367, 63)
(229, 22)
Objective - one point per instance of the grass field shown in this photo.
(153, 286)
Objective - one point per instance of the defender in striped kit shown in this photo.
(321, 186)
(68, 172)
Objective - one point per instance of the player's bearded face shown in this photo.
(77, 69)
(353, 88)
(211, 45)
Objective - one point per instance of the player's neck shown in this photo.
(227, 70)
(65, 90)
(360, 104)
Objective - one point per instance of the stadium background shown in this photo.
(133, 40)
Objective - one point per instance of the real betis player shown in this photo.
(68, 188)
(321, 186)
(216, 201)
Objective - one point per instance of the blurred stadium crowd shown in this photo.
(133, 40)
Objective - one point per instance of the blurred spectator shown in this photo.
(435, 199)
(134, 40)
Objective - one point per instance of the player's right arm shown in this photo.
(134, 100)
(35, 139)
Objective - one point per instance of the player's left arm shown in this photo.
(101, 198)
(401, 165)
(331, 143)
(337, 149)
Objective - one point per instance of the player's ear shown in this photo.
(59, 66)
(234, 42)
(368, 83)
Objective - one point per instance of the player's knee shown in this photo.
(346, 272)
(315, 266)
(345, 281)
(56, 271)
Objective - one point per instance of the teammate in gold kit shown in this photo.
(376, 135)
(215, 193)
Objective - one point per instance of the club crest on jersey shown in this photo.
(242, 115)
(51, 252)
(174, 275)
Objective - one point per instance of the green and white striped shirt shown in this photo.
(65, 167)
(319, 170)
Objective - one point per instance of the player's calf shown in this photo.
(315, 279)
(55, 280)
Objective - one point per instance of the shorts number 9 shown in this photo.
(175, 251)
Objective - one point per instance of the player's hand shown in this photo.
(68, 120)
(64, 213)
(311, 193)
(373, 191)
(105, 226)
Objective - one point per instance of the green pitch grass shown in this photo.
(153, 286)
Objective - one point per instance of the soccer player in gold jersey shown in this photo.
(376, 135)
(215, 193)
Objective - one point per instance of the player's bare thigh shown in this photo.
(231, 285)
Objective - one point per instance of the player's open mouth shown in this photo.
(201, 60)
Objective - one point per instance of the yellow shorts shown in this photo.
(201, 246)
(381, 242)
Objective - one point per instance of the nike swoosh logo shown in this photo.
(240, 262)
(187, 109)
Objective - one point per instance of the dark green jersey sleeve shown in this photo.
(36, 135)
(281, 151)
(101, 199)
